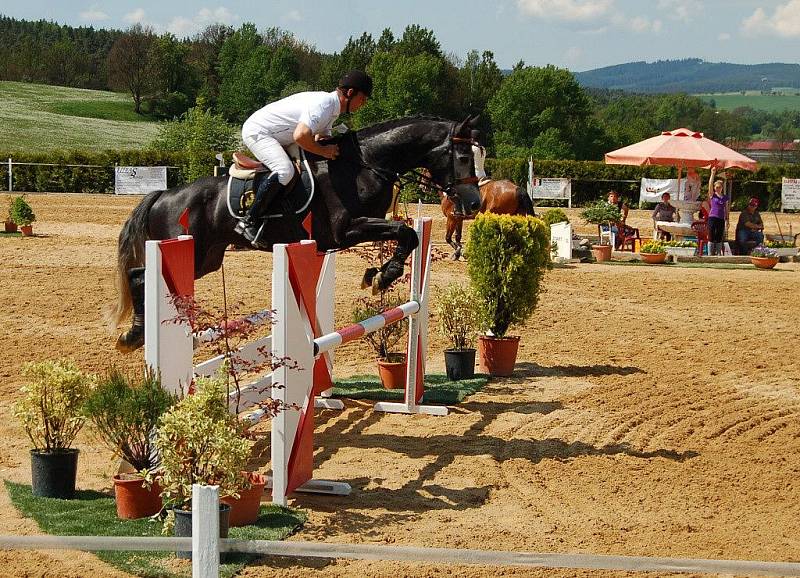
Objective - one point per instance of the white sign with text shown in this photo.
(139, 180)
(790, 194)
(561, 235)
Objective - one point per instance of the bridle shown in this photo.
(420, 178)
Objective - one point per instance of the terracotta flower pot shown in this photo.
(11, 227)
(27, 230)
(654, 258)
(601, 252)
(764, 262)
(244, 509)
(133, 499)
(497, 355)
(393, 373)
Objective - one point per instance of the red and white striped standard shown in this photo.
(371, 325)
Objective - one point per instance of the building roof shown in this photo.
(768, 145)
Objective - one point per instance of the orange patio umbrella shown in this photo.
(681, 148)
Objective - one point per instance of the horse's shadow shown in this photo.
(528, 369)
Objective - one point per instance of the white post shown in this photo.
(10, 182)
(205, 531)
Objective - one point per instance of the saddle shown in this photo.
(246, 174)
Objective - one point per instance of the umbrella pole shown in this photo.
(778, 223)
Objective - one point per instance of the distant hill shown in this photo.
(691, 75)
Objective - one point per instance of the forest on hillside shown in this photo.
(230, 72)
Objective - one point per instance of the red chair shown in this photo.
(628, 237)
(700, 229)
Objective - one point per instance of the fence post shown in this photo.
(205, 531)
(10, 181)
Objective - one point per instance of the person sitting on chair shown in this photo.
(664, 211)
(479, 154)
(301, 118)
(750, 228)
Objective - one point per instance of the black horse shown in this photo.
(352, 195)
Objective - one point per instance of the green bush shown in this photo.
(683, 244)
(600, 213)
(507, 258)
(459, 316)
(50, 405)
(21, 212)
(125, 411)
(556, 215)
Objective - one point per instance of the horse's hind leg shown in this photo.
(133, 338)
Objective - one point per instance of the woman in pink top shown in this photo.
(717, 215)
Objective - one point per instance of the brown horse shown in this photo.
(500, 197)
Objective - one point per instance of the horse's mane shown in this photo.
(398, 122)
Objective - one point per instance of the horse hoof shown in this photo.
(454, 257)
(376, 284)
(127, 343)
(369, 277)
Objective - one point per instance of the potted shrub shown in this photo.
(602, 213)
(50, 409)
(10, 225)
(384, 341)
(555, 215)
(653, 252)
(200, 442)
(680, 248)
(21, 213)
(782, 248)
(458, 322)
(508, 256)
(125, 412)
(764, 257)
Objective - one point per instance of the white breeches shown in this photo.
(270, 152)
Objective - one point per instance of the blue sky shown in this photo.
(575, 34)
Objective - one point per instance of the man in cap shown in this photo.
(300, 119)
(750, 228)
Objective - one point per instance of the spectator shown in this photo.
(717, 216)
(664, 211)
(750, 228)
(618, 228)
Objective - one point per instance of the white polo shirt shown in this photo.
(317, 110)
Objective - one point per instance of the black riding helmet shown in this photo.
(357, 80)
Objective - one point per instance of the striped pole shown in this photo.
(371, 325)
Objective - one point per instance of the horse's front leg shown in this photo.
(458, 246)
(366, 229)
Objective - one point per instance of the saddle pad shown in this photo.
(295, 201)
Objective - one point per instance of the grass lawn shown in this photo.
(757, 101)
(94, 514)
(37, 117)
(438, 389)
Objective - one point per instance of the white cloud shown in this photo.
(573, 54)
(572, 10)
(785, 21)
(723, 36)
(643, 25)
(182, 26)
(135, 17)
(93, 14)
(683, 10)
(293, 16)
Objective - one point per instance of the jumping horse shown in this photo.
(501, 197)
(351, 197)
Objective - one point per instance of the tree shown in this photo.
(356, 54)
(204, 60)
(66, 64)
(417, 40)
(532, 100)
(130, 63)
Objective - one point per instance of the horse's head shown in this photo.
(453, 169)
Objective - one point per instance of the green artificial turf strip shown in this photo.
(94, 514)
(438, 389)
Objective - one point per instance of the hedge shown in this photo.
(81, 179)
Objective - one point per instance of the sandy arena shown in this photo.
(655, 411)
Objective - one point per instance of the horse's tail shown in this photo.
(130, 253)
(524, 203)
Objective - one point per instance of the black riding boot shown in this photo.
(134, 338)
(248, 227)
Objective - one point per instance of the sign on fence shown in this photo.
(651, 190)
(139, 180)
(548, 188)
(790, 194)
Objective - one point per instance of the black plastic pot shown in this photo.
(459, 364)
(53, 474)
(183, 527)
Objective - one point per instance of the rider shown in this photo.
(300, 118)
(479, 154)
